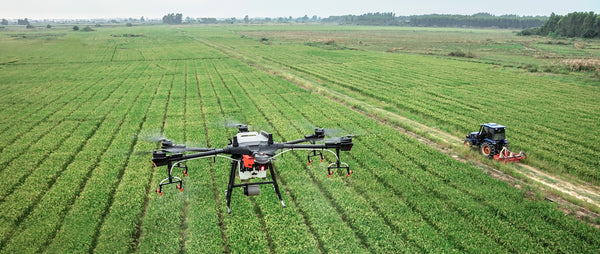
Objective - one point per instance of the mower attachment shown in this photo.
(507, 156)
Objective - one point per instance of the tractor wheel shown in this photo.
(487, 149)
(467, 143)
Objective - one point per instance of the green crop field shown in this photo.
(76, 107)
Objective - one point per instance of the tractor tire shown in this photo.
(487, 149)
(467, 144)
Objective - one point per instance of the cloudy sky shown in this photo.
(76, 9)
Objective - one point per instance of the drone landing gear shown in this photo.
(338, 165)
(250, 189)
(173, 179)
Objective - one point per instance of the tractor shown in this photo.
(492, 143)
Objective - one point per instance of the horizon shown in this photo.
(272, 17)
(156, 9)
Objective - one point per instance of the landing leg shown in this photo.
(230, 186)
(275, 185)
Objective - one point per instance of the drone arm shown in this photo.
(318, 135)
(304, 146)
(161, 158)
(194, 149)
(297, 141)
(343, 144)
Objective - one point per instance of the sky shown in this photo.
(87, 9)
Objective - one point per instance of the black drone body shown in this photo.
(251, 155)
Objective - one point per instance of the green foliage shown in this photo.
(575, 24)
(460, 53)
(172, 18)
(24, 21)
(75, 28)
(476, 20)
(87, 29)
(368, 19)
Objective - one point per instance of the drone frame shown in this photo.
(268, 150)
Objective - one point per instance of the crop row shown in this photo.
(308, 187)
(60, 188)
(456, 96)
(434, 185)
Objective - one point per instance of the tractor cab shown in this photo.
(493, 132)
(490, 132)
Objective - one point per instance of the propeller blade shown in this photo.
(186, 149)
(151, 136)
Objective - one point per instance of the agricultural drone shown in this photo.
(251, 155)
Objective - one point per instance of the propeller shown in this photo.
(166, 144)
(152, 137)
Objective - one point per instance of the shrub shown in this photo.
(75, 28)
(87, 29)
(582, 65)
(460, 53)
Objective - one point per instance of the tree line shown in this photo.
(437, 20)
(172, 18)
(479, 20)
(368, 19)
(575, 24)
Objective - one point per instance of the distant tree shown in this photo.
(305, 18)
(129, 24)
(246, 19)
(29, 26)
(4, 22)
(477, 20)
(22, 22)
(75, 28)
(142, 19)
(173, 18)
(588, 29)
(575, 24)
(48, 26)
(208, 20)
(87, 29)
(597, 25)
(370, 19)
(482, 14)
(550, 25)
